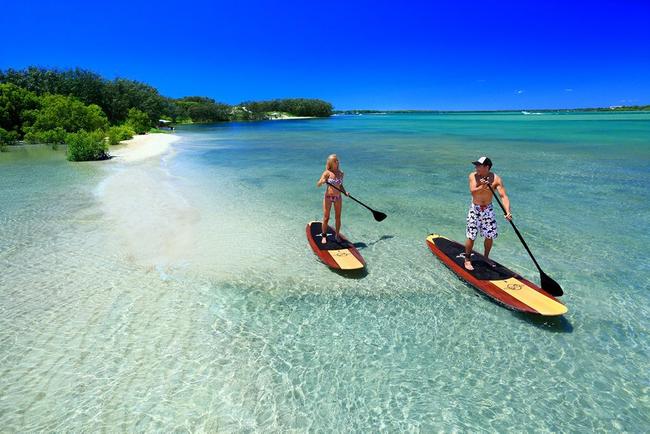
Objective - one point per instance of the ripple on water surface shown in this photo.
(182, 294)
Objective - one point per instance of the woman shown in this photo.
(333, 177)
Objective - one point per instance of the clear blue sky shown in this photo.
(370, 54)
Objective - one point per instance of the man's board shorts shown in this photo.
(481, 219)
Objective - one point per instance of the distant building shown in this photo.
(165, 124)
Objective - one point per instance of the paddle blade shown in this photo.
(379, 216)
(549, 285)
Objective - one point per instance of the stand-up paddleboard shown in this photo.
(494, 280)
(338, 255)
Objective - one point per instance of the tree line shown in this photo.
(40, 105)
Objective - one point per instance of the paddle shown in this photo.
(549, 285)
(379, 216)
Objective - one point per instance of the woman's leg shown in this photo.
(326, 217)
(338, 205)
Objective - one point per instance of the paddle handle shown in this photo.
(496, 197)
(350, 196)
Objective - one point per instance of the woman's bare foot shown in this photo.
(468, 265)
(338, 238)
(324, 239)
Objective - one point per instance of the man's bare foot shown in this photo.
(338, 238)
(468, 266)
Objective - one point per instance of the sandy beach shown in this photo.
(279, 116)
(142, 147)
(286, 118)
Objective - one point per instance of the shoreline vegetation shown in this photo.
(89, 114)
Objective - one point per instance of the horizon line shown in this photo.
(613, 107)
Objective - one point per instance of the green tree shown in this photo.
(55, 136)
(114, 97)
(138, 120)
(86, 146)
(126, 94)
(69, 114)
(118, 133)
(202, 109)
(16, 105)
(294, 106)
(7, 138)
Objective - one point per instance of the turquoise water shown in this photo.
(181, 294)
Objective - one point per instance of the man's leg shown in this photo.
(471, 232)
(487, 246)
(489, 231)
(469, 245)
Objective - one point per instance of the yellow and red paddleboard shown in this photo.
(495, 280)
(338, 255)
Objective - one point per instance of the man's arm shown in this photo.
(474, 186)
(498, 184)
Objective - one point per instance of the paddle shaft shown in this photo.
(515, 228)
(350, 196)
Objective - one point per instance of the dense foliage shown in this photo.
(55, 136)
(68, 113)
(138, 121)
(16, 107)
(201, 109)
(118, 133)
(7, 138)
(62, 106)
(86, 146)
(294, 106)
(115, 97)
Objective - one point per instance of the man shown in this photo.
(481, 218)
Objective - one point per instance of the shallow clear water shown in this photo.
(181, 294)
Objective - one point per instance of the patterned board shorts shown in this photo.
(481, 220)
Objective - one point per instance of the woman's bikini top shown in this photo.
(335, 181)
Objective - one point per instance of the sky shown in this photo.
(472, 55)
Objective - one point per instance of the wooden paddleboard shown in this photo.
(338, 255)
(497, 282)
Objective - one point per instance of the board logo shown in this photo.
(513, 286)
(341, 253)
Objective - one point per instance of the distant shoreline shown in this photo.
(639, 109)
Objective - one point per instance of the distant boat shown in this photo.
(524, 112)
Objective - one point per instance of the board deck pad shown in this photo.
(495, 280)
(482, 269)
(340, 255)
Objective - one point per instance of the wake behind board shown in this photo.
(338, 255)
(497, 282)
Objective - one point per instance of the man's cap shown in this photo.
(484, 161)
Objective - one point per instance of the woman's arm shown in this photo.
(323, 179)
(343, 188)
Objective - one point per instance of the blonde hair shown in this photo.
(330, 159)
